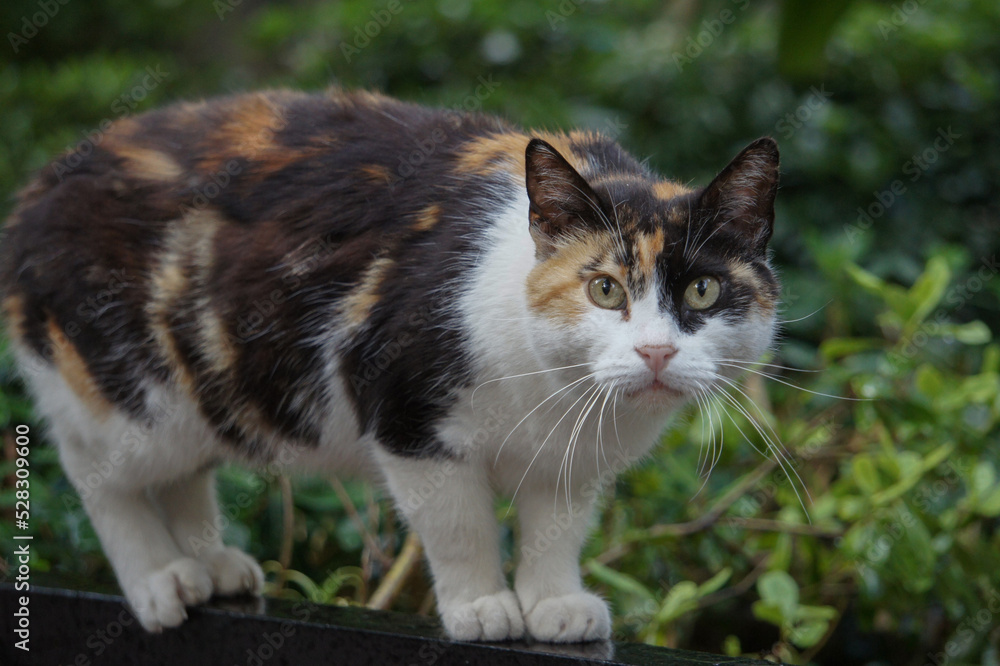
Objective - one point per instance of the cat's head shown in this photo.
(658, 289)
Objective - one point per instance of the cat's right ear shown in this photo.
(560, 198)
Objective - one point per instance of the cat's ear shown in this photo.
(560, 198)
(742, 195)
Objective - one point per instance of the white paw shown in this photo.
(233, 572)
(572, 618)
(495, 617)
(160, 599)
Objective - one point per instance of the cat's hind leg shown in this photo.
(192, 514)
(115, 461)
(156, 577)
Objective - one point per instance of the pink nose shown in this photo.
(656, 356)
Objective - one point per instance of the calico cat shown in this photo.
(345, 283)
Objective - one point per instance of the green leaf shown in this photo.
(731, 646)
(929, 380)
(777, 587)
(715, 582)
(984, 477)
(911, 476)
(617, 580)
(807, 634)
(867, 280)
(926, 292)
(835, 348)
(865, 475)
(682, 598)
(981, 388)
(989, 504)
(768, 611)
(971, 333)
(813, 613)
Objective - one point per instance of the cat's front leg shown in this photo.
(556, 606)
(450, 505)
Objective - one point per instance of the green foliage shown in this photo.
(886, 238)
(779, 604)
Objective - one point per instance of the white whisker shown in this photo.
(585, 377)
(574, 437)
(817, 310)
(524, 374)
(542, 445)
(782, 381)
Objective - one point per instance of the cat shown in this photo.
(345, 283)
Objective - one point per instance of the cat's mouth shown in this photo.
(656, 389)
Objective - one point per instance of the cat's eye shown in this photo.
(702, 293)
(607, 293)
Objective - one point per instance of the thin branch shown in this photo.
(406, 563)
(767, 525)
(699, 524)
(287, 522)
(352, 513)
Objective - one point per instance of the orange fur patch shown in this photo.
(555, 288)
(215, 342)
(377, 172)
(648, 247)
(189, 241)
(564, 143)
(359, 303)
(74, 370)
(250, 133)
(667, 190)
(149, 164)
(428, 218)
(741, 272)
(13, 310)
(502, 152)
(253, 125)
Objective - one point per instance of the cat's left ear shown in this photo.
(742, 195)
(561, 200)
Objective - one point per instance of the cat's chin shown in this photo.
(656, 395)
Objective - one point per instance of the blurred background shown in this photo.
(881, 546)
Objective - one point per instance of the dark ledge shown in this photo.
(80, 628)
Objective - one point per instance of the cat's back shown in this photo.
(206, 246)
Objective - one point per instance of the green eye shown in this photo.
(702, 293)
(607, 293)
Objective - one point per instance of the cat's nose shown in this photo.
(656, 356)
